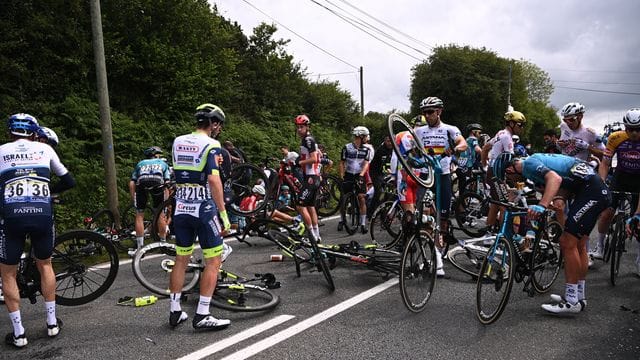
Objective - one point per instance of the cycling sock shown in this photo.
(571, 293)
(363, 219)
(315, 230)
(175, 301)
(582, 289)
(163, 239)
(203, 305)
(140, 241)
(16, 320)
(601, 237)
(50, 306)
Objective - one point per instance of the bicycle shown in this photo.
(505, 262)
(153, 263)
(85, 264)
(123, 237)
(615, 241)
(350, 209)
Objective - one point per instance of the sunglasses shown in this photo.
(570, 119)
(520, 125)
(429, 111)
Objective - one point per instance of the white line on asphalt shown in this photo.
(232, 340)
(314, 320)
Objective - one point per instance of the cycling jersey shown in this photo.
(628, 152)
(469, 158)
(151, 173)
(354, 158)
(439, 139)
(574, 172)
(309, 149)
(500, 143)
(578, 141)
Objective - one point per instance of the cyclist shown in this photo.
(47, 136)
(441, 139)
(378, 169)
(626, 145)
(518, 149)
(572, 176)
(575, 139)
(354, 164)
(470, 158)
(198, 212)
(25, 171)
(309, 162)
(149, 179)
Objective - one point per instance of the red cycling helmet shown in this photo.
(302, 120)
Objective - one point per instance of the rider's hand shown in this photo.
(535, 211)
(635, 219)
(225, 221)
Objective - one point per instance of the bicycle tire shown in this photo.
(417, 271)
(166, 211)
(470, 214)
(546, 258)
(238, 186)
(241, 297)
(85, 264)
(328, 196)
(468, 259)
(501, 259)
(152, 264)
(617, 248)
(321, 264)
(385, 227)
(350, 213)
(396, 124)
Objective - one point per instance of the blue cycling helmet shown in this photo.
(49, 135)
(23, 124)
(501, 163)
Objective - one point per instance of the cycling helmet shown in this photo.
(258, 189)
(302, 120)
(419, 120)
(209, 112)
(501, 163)
(515, 138)
(284, 187)
(23, 124)
(360, 131)
(632, 118)
(474, 126)
(572, 109)
(152, 151)
(516, 116)
(431, 102)
(50, 135)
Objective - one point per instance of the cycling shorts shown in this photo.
(625, 182)
(349, 184)
(309, 188)
(588, 202)
(206, 227)
(13, 234)
(157, 197)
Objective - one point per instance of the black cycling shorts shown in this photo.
(13, 234)
(625, 182)
(156, 192)
(309, 188)
(588, 202)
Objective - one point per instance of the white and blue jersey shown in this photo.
(151, 172)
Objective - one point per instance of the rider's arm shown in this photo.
(552, 183)
(485, 153)
(603, 169)
(66, 182)
(461, 144)
(132, 189)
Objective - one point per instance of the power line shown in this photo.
(597, 82)
(598, 71)
(599, 91)
(335, 73)
(359, 28)
(300, 36)
(387, 25)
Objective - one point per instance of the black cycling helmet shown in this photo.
(209, 112)
(501, 163)
(152, 151)
(474, 126)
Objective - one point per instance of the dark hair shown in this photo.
(551, 132)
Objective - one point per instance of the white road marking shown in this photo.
(305, 324)
(241, 336)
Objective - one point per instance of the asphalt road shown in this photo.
(363, 319)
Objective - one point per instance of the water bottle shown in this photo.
(529, 238)
(145, 300)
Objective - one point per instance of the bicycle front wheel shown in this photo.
(471, 211)
(85, 264)
(421, 175)
(617, 247)
(321, 264)
(468, 259)
(418, 272)
(244, 297)
(546, 258)
(239, 186)
(495, 281)
(152, 266)
(328, 196)
(385, 226)
(350, 213)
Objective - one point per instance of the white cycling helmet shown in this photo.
(431, 102)
(515, 138)
(258, 189)
(572, 109)
(360, 131)
(632, 118)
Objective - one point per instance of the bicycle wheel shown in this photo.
(495, 281)
(321, 264)
(396, 125)
(153, 263)
(417, 272)
(238, 187)
(328, 196)
(617, 247)
(385, 226)
(85, 264)
(243, 297)
(468, 259)
(471, 211)
(546, 258)
(127, 237)
(287, 240)
(163, 220)
(350, 213)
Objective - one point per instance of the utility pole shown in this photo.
(509, 107)
(105, 115)
(361, 94)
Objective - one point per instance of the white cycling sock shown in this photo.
(203, 305)
(140, 241)
(363, 219)
(571, 293)
(601, 237)
(175, 301)
(16, 321)
(315, 230)
(50, 306)
(582, 288)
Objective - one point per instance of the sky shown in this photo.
(588, 44)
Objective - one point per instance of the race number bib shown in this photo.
(581, 171)
(25, 190)
(190, 192)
